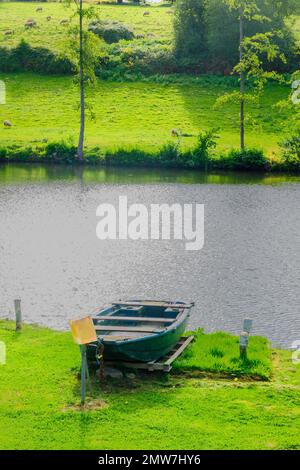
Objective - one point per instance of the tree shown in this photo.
(84, 47)
(252, 50)
(190, 28)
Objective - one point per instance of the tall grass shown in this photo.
(219, 352)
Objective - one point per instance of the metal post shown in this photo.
(83, 373)
(18, 313)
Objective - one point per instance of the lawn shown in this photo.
(135, 114)
(54, 36)
(39, 397)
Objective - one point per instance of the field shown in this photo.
(53, 35)
(131, 112)
(39, 396)
(138, 114)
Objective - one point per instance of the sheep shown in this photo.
(169, 12)
(151, 35)
(9, 32)
(146, 13)
(176, 132)
(30, 24)
(7, 123)
(39, 9)
(49, 18)
(140, 36)
(64, 22)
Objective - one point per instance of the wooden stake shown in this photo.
(18, 313)
(83, 373)
(244, 340)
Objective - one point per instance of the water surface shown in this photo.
(249, 266)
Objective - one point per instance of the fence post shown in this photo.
(18, 313)
(244, 340)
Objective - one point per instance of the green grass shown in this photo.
(52, 35)
(137, 114)
(218, 352)
(39, 396)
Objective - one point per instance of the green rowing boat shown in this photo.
(139, 331)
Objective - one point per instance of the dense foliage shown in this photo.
(217, 39)
(35, 59)
(170, 155)
(111, 31)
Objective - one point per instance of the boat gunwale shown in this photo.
(183, 314)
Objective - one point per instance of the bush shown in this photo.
(249, 159)
(111, 31)
(169, 155)
(291, 152)
(34, 59)
(201, 155)
(60, 152)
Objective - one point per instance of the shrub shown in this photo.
(291, 152)
(169, 155)
(34, 59)
(201, 155)
(111, 31)
(60, 152)
(249, 159)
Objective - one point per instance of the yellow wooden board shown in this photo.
(83, 330)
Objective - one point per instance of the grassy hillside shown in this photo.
(53, 35)
(139, 114)
(39, 397)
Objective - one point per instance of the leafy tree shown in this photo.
(84, 47)
(222, 41)
(190, 28)
(251, 65)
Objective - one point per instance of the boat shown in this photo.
(138, 330)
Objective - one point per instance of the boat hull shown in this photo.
(144, 349)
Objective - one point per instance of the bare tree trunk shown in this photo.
(242, 83)
(81, 81)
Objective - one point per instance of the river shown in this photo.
(248, 267)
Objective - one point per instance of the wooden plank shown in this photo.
(117, 337)
(134, 329)
(153, 304)
(163, 364)
(149, 366)
(138, 319)
(179, 351)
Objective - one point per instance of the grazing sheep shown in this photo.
(146, 13)
(176, 133)
(151, 35)
(140, 36)
(9, 32)
(64, 22)
(39, 9)
(7, 123)
(170, 12)
(30, 24)
(49, 18)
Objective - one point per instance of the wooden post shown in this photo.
(18, 313)
(83, 373)
(244, 340)
(247, 325)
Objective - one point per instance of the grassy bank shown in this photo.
(53, 35)
(137, 114)
(39, 396)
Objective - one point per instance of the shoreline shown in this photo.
(250, 162)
